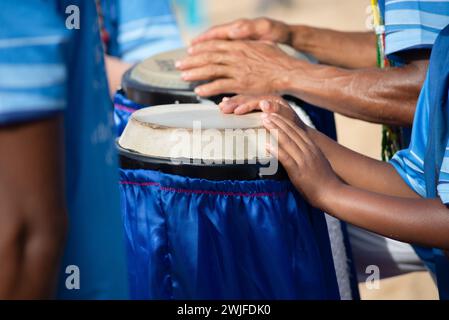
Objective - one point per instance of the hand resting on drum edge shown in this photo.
(363, 191)
(242, 104)
(236, 67)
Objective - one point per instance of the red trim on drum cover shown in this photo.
(124, 108)
(144, 184)
(207, 192)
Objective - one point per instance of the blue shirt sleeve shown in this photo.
(140, 28)
(409, 163)
(413, 24)
(32, 68)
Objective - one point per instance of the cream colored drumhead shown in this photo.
(159, 70)
(184, 116)
(195, 131)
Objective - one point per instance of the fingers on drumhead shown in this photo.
(246, 107)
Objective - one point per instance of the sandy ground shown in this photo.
(357, 135)
(414, 286)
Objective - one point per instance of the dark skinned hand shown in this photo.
(306, 165)
(250, 67)
(242, 104)
(248, 29)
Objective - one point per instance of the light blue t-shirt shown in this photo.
(413, 24)
(140, 28)
(409, 163)
(46, 68)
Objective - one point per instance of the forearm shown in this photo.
(363, 172)
(381, 96)
(343, 49)
(32, 208)
(115, 68)
(420, 221)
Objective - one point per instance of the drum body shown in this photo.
(221, 232)
(233, 236)
(191, 238)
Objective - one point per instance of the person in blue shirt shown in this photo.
(135, 30)
(406, 199)
(132, 31)
(59, 202)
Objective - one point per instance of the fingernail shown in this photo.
(190, 50)
(239, 109)
(234, 32)
(198, 90)
(225, 99)
(185, 75)
(264, 104)
(178, 64)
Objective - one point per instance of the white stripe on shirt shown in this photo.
(407, 17)
(31, 41)
(15, 76)
(412, 166)
(20, 102)
(140, 23)
(152, 31)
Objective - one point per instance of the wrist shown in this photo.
(329, 195)
(290, 35)
(288, 80)
(301, 37)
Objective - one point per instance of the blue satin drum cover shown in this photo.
(198, 228)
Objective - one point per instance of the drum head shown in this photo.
(159, 71)
(156, 80)
(198, 140)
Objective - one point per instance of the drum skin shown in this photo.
(198, 239)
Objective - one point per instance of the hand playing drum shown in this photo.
(249, 29)
(250, 67)
(242, 104)
(306, 165)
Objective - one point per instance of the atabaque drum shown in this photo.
(209, 214)
(156, 81)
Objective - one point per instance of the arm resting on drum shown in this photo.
(382, 96)
(343, 49)
(115, 68)
(32, 208)
(364, 172)
(420, 221)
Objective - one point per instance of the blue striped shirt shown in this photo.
(409, 163)
(140, 28)
(46, 68)
(413, 24)
(31, 84)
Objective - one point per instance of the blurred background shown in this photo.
(195, 16)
